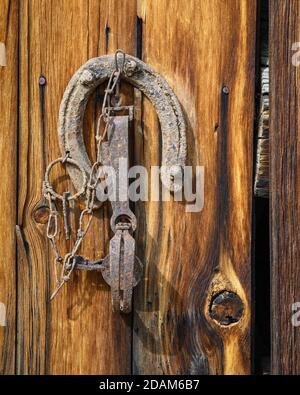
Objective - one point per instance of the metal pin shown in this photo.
(66, 214)
(58, 288)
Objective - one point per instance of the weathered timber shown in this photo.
(285, 185)
(193, 308)
(8, 150)
(206, 52)
(77, 332)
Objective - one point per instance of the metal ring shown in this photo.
(71, 162)
(116, 217)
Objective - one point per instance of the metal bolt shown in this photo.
(226, 308)
(130, 67)
(42, 80)
(225, 90)
(86, 77)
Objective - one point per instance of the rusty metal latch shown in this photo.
(121, 268)
(123, 221)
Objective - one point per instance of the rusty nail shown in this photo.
(130, 68)
(226, 308)
(42, 80)
(86, 77)
(225, 90)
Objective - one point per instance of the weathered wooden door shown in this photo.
(206, 52)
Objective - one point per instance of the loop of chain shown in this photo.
(89, 186)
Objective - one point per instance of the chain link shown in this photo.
(68, 262)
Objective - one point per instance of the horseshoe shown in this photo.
(156, 89)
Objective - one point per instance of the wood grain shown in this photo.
(191, 257)
(8, 149)
(77, 332)
(285, 185)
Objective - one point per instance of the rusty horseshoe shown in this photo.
(92, 74)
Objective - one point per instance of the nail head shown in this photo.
(42, 80)
(226, 90)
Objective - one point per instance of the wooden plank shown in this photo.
(200, 47)
(285, 184)
(77, 332)
(8, 149)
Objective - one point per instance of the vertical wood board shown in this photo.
(8, 160)
(206, 51)
(285, 185)
(77, 332)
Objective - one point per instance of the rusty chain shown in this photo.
(68, 262)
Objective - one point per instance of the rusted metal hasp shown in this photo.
(115, 155)
(123, 221)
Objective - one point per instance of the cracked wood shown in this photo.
(189, 257)
(77, 333)
(8, 150)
